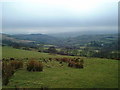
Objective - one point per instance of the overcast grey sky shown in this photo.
(55, 16)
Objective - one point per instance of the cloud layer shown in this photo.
(58, 16)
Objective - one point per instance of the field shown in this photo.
(97, 73)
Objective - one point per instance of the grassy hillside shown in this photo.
(97, 73)
(8, 52)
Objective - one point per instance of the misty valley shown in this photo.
(101, 45)
(59, 44)
(46, 61)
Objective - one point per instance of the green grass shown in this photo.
(97, 73)
(8, 52)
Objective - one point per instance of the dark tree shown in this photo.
(52, 50)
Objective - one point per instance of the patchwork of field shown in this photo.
(97, 72)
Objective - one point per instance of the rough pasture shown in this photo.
(97, 73)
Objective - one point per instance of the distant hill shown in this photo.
(79, 33)
(11, 38)
(11, 41)
(84, 39)
(39, 38)
(35, 39)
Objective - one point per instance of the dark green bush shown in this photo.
(16, 64)
(77, 63)
(7, 72)
(34, 65)
(8, 69)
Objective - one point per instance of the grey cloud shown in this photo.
(15, 18)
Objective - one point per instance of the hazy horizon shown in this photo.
(49, 17)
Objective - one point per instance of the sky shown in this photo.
(57, 16)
